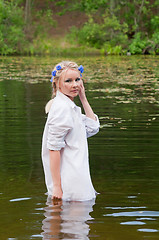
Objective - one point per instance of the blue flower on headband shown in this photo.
(58, 67)
(53, 75)
(81, 68)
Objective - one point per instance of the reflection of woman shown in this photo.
(67, 220)
(64, 147)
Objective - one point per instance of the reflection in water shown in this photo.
(67, 220)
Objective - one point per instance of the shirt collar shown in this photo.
(65, 98)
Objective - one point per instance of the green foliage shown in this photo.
(138, 44)
(11, 27)
(113, 26)
(155, 42)
(124, 25)
(97, 35)
(90, 34)
(61, 3)
(142, 45)
(115, 32)
(87, 6)
(45, 46)
(108, 49)
(43, 22)
(155, 22)
(90, 6)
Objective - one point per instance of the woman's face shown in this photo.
(69, 83)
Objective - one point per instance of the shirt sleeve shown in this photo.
(92, 126)
(59, 124)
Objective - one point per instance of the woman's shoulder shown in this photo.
(59, 103)
(59, 107)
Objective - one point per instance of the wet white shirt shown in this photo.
(67, 129)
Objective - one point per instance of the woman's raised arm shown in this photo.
(87, 108)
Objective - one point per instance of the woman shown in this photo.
(64, 145)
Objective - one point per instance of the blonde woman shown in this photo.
(64, 144)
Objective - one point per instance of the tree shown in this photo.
(27, 17)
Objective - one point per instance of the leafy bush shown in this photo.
(42, 24)
(155, 22)
(108, 49)
(138, 44)
(11, 27)
(142, 45)
(97, 35)
(90, 34)
(155, 42)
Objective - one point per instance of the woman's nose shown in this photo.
(75, 83)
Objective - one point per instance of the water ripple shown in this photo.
(132, 223)
(135, 214)
(147, 230)
(116, 208)
(149, 219)
(19, 199)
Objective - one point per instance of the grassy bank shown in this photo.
(57, 46)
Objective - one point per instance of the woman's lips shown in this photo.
(75, 91)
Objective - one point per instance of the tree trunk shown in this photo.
(112, 5)
(27, 15)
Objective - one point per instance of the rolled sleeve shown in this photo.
(92, 126)
(55, 141)
(59, 124)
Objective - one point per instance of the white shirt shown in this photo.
(67, 129)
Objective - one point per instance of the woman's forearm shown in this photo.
(55, 162)
(55, 165)
(87, 108)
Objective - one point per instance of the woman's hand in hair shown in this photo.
(82, 94)
(87, 108)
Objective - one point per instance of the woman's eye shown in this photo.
(78, 79)
(68, 80)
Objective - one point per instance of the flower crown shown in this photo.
(58, 67)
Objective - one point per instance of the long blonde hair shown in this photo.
(65, 65)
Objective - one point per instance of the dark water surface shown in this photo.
(124, 155)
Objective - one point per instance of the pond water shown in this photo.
(124, 155)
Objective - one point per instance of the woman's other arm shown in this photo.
(55, 163)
